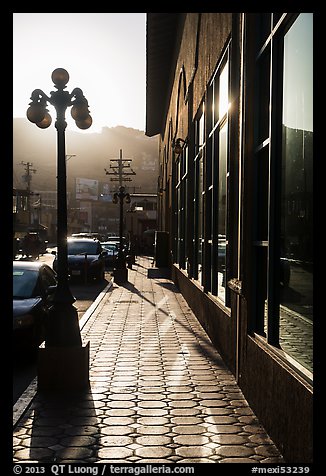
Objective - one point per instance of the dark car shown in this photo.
(86, 259)
(112, 253)
(34, 284)
(116, 240)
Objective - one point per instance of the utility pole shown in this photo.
(119, 173)
(28, 177)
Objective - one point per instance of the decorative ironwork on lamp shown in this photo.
(178, 145)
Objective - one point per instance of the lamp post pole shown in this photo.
(121, 255)
(63, 329)
(121, 270)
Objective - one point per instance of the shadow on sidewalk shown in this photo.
(206, 349)
(136, 291)
(170, 286)
(64, 428)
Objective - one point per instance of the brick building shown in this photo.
(230, 95)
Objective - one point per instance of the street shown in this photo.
(24, 366)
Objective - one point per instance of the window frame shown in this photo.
(267, 249)
(215, 126)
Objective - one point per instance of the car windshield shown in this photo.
(24, 283)
(110, 247)
(79, 247)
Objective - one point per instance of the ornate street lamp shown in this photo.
(121, 273)
(177, 145)
(63, 330)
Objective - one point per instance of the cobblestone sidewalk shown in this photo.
(159, 391)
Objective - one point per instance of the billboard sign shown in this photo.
(86, 189)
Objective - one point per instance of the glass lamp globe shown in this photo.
(35, 113)
(60, 77)
(85, 123)
(46, 122)
(79, 112)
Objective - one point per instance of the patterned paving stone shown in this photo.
(120, 412)
(153, 412)
(195, 460)
(190, 440)
(39, 454)
(159, 391)
(229, 439)
(116, 430)
(77, 441)
(150, 396)
(185, 411)
(115, 440)
(74, 453)
(194, 451)
(184, 420)
(181, 396)
(235, 451)
(182, 403)
(146, 421)
(152, 404)
(114, 421)
(118, 452)
(220, 420)
(153, 452)
(266, 450)
(82, 430)
(220, 429)
(189, 429)
(152, 430)
(153, 440)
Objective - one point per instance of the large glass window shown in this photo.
(223, 92)
(220, 172)
(181, 179)
(199, 192)
(283, 158)
(296, 304)
(222, 211)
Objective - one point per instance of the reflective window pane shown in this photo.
(296, 269)
(264, 97)
(223, 92)
(200, 217)
(222, 203)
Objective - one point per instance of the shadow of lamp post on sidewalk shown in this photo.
(63, 361)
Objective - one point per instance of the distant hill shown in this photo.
(93, 153)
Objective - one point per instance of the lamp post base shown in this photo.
(63, 326)
(120, 275)
(63, 369)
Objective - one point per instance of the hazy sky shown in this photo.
(104, 54)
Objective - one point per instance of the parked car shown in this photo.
(86, 234)
(112, 253)
(116, 240)
(86, 259)
(34, 284)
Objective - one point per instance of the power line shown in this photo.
(119, 172)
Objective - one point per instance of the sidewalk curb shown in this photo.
(28, 395)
